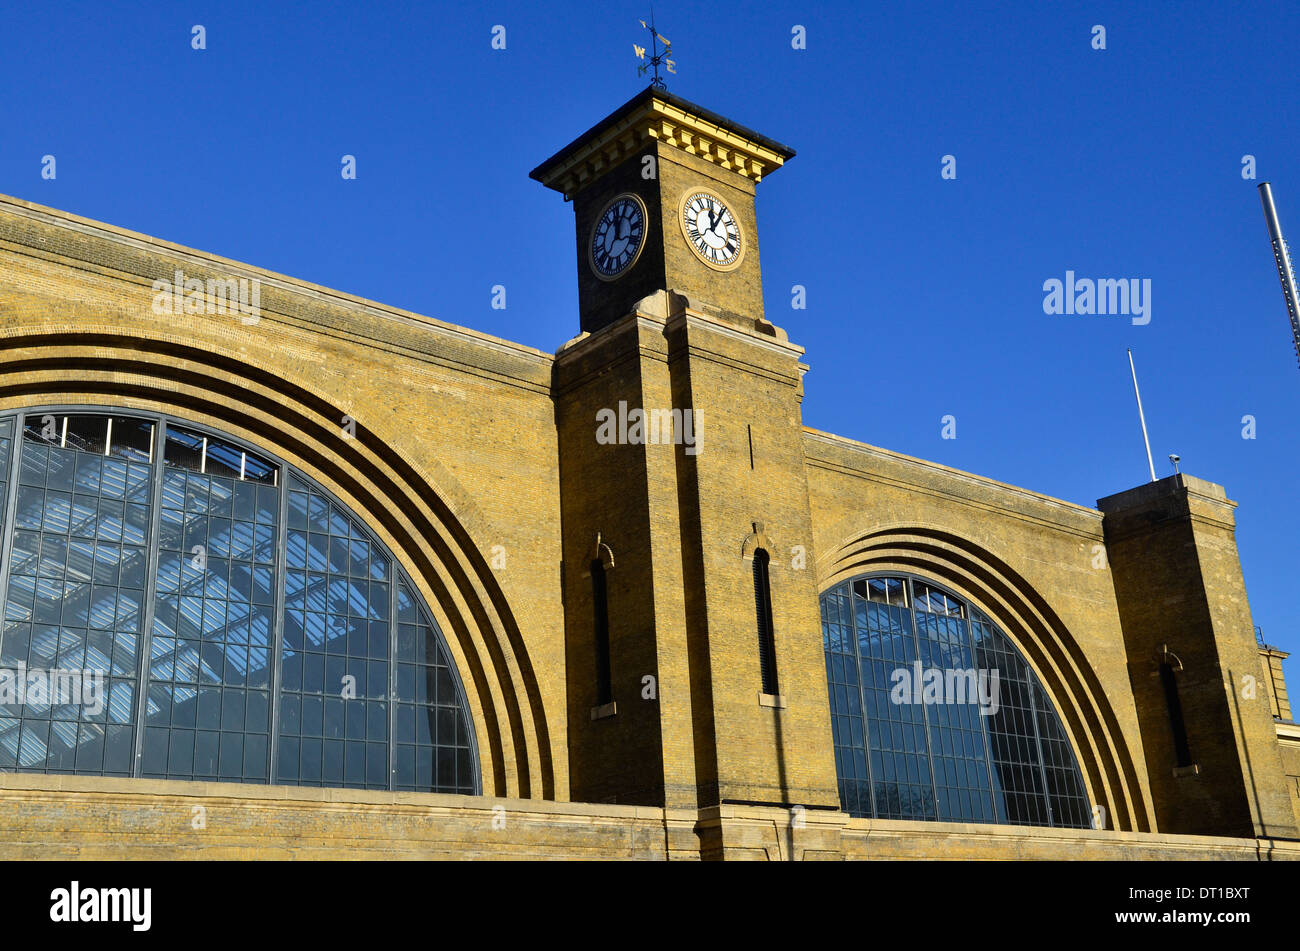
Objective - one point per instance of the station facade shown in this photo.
(345, 581)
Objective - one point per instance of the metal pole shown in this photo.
(1142, 417)
(1282, 258)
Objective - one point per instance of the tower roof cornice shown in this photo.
(655, 114)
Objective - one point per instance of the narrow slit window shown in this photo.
(766, 638)
(1182, 755)
(600, 607)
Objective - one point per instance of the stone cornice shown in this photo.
(703, 321)
(1057, 513)
(439, 339)
(1287, 730)
(660, 116)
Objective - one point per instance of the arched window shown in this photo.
(186, 607)
(600, 620)
(766, 636)
(1174, 707)
(936, 715)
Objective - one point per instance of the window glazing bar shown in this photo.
(153, 549)
(1038, 742)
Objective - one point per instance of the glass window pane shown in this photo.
(935, 716)
(94, 511)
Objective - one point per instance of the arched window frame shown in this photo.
(756, 555)
(600, 561)
(18, 417)
(1168, 666)
(969, 611)
(766, 626)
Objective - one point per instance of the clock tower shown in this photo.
(663, 197)
(693, 646)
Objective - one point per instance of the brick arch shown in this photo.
(1026, 617)
(417, 508)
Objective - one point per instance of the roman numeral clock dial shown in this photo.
(617, 237)
(711, 230)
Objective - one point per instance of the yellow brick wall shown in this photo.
(1183, 605)
(93, 818)
(465, 443)
(1035, 565)
(455, 449)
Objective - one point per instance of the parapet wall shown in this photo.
(83, 817)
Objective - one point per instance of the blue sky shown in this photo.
(924, 295)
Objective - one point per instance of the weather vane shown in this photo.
(656, 57)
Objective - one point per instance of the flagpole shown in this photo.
(1282, 258)
(1141, 416)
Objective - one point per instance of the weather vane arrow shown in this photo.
(657, 57)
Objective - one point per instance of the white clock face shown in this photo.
(712, 230)
(618, 236)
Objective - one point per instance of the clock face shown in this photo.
(711, 230)
(618, 236)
